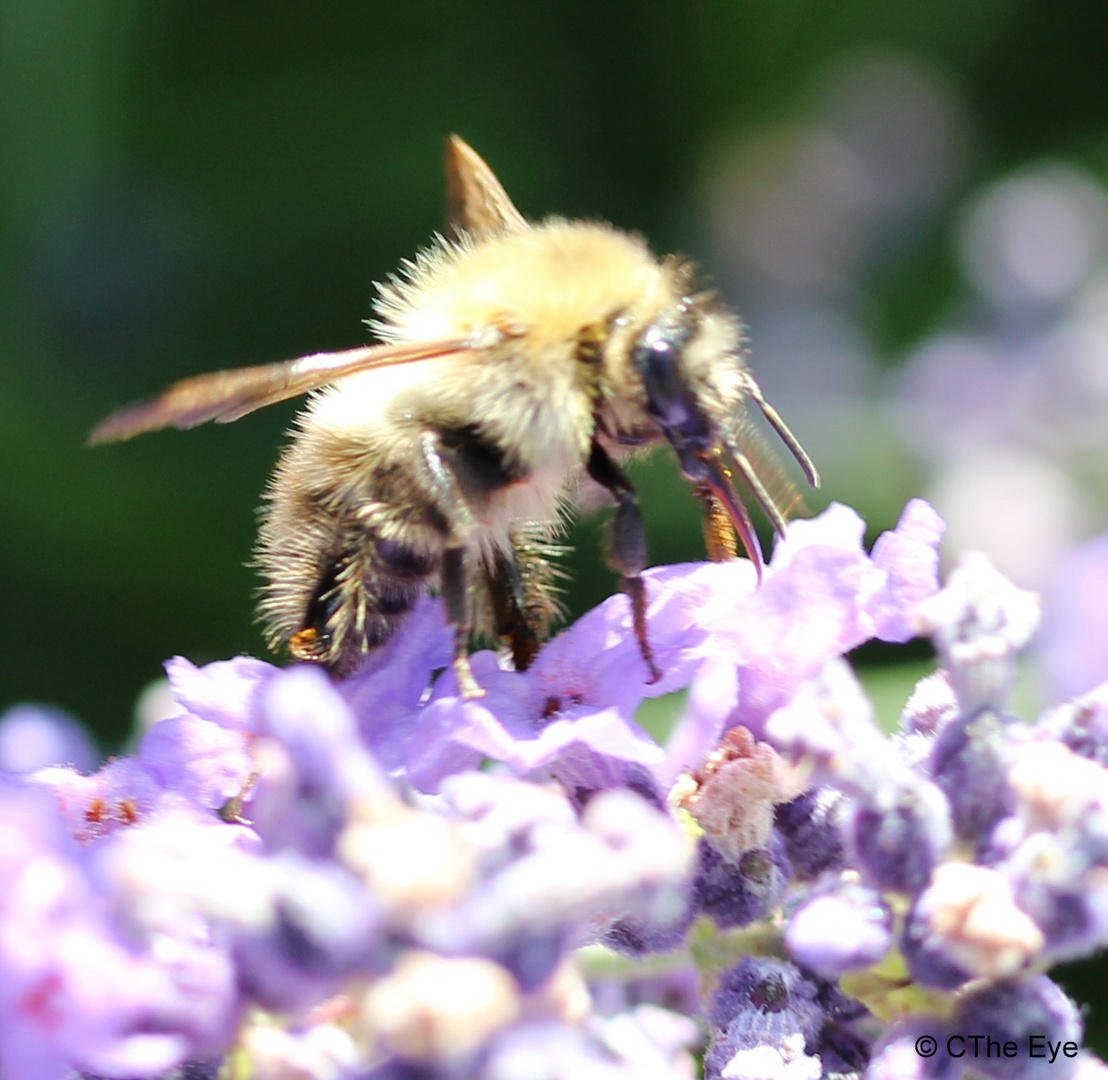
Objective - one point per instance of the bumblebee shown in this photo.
(518, 364)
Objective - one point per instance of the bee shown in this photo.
(518, 364)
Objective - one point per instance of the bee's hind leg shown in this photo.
(627, 543)
(508, 597)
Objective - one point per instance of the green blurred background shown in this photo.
(190, 185)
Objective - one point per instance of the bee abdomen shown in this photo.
(402, 561)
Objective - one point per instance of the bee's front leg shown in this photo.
(719, 534)
(451, 502)
(627, 543)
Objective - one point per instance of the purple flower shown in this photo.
(598, 659)
(713, 694)
(821, 570)
(1028, 1013)
(387, 688)
(1054, 849)
(909, 558)
(572, 713)
(1081, 724)
(810, 828)
(223, 692)
(311, 762)
(735, 893)
(636, 936)
(84, 1001)
(72, 992)
(176, 882)
(897, 1056)
(527, 728)
(1073, 642)
(256, 853)
(547, 881)
(37, 736)
(896, 823)
(968, 762)
(843, 927)
(760, 1002)
(897, 844)
(930, 708)
(321, 927)
(829, 728)
(117, 796)
(202, 760)
(979, 623)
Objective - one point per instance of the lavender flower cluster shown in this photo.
(294, 879)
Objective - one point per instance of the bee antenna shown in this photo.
(773, 418)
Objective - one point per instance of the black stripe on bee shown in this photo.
(477, 462)
(402, 561)
(395, 600)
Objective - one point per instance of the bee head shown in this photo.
(688, 364)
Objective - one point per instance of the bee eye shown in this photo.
(658, 358)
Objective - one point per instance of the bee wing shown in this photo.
(224, 396)
(477, 204)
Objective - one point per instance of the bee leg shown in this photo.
(324, 634)
(509, 606)
(627, 543)
(455, 591)
(719, 533)
(461, 525)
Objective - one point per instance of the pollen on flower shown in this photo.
(1057, 787)
(973, 910)
(440, 1009)
(317, 1050)
(96, 811)
(411, 860)
(786, 1060)
(733, 793)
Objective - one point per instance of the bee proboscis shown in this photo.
(518, 364)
